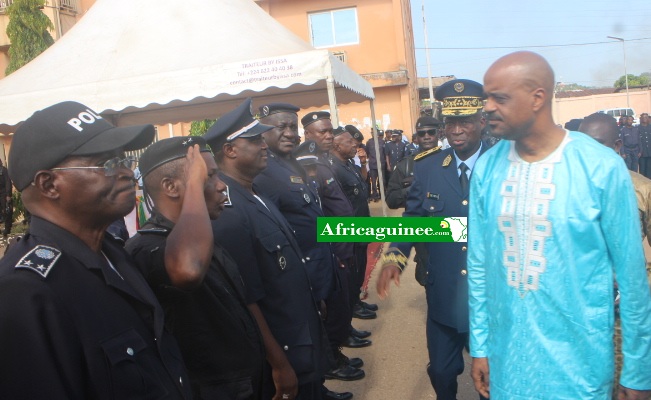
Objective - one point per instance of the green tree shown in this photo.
(199, 128)
(28, 32)
(633, 80)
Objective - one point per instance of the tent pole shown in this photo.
(377, 158)
(332, 99)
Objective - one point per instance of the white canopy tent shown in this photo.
(152, 61)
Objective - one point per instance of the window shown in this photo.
(334, 28)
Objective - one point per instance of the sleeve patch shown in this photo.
(40, 259)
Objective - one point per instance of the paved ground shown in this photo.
(395, 363)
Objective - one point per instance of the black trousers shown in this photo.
(356, 273)
(645, 166)
(339, 313)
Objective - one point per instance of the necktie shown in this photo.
(463, 179)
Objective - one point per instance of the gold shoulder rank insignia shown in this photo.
(296, 179)
(427, 153)
(447, 160)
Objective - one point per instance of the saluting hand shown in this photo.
(195, 167)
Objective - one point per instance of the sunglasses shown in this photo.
(431, 132)
(110, 166)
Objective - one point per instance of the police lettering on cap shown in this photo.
(306, 153)
(313, 117)
(460, 97)
(167, 150)
(235, 124)
(274, 108)
(67, 129)
(427, 122)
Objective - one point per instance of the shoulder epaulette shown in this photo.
(158, 231)
(40, 259)
(427, 153)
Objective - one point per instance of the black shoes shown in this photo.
(370, 307)
(359, 334)
(356, 343)
(330, 395)
(362, 313)
(345, 373)
(342, 359)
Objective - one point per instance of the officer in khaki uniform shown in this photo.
(440, 189)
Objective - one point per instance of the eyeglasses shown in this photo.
(110, 166)
(431, 132)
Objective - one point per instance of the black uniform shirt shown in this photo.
(350, 178)
(285, 183)
(219, 338)
(265, 249)
(74, 328)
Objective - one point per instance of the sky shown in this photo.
(465, 37)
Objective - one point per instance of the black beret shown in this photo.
(273, 108)
(67, 129)
(167, 150)
(338, 131)
(313, 117)
(306, 153)
(357, 135)
(460, 97)
(427, 121)
(235, 124)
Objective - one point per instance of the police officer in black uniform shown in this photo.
(195, 279)
(285, 183)
(440, 189)
(78, 320)
(318, 128)
(265, 249)
(395, 150)
(372, 164)
(352, 181)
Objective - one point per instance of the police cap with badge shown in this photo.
(306, 153)
(67, 129)
(314, 116)
(427, 123)
(275, 108)
(460, 97)
(236, 124)
(51, 135)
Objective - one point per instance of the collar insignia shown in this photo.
(40, 259)
(447, 160)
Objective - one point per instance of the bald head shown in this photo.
(526, 68)
(519, 88)
(602, 128)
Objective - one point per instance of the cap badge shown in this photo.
(447, 160)
(315, 116)
(458, 87)
(265, 111)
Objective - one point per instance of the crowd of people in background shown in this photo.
(225, 293)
